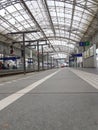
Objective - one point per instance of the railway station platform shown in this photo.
(48, 64)
(57, 99)
(89, 70)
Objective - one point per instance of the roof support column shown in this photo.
(38, 56)
(47, 60)
(24, 59)
(51, 62)
(42, 58)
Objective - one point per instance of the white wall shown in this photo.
(89, 62)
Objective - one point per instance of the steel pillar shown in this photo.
(38, 55)
(24, 61)
(42, 59)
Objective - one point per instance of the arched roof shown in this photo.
(60, 21)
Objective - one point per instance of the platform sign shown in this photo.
(81, 43)
(9, 58)
(87, 43)
(77, 55)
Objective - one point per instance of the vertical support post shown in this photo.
(47, 60)
(83, 48)
(38, 55)
(42, 59)
(30, 65)
(57, 62)
(95, 61)
(4, 56)
(51, 62)
(24, 63)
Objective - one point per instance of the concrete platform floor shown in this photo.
(61, 101)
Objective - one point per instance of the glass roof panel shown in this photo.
(18, 6)
(11, 9)
(54, 18)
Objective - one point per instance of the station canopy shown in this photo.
(62, 23)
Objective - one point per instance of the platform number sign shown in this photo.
(87, 43)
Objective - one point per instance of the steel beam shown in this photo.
(49, 16)
(32, 17)
(78, 4)
(89, 26)
(34, 20)
(21, 32)
(59, 37)
(9, 3)
(30, 41)
(73, 10)
(36, 45)
(50, 37)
